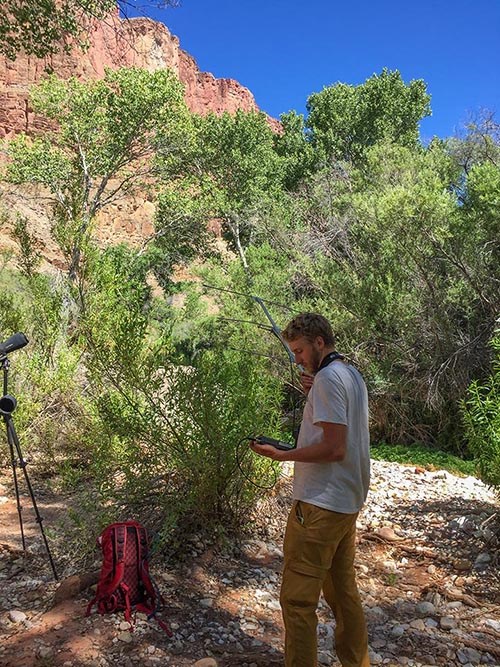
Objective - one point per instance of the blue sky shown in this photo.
(285, 50)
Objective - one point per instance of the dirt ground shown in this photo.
(222, 591)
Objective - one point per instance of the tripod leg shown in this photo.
(16, 483)
(22, 463)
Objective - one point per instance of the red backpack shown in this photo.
(125, 583)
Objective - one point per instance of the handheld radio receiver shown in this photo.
(279, 444)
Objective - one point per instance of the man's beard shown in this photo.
(315, 360)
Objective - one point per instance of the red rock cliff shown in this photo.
(116, 43)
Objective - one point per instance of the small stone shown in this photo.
(45, 652)
(397, 631)
(432, 569)
(417, 624)
(492, 623)
(17, 616)
(447, 623)
(454, 604)
(390, 566)
(388, 534)
(273, 605)
(207, 602)
(124, 637)
(468, 656)
(482, 561)
(205, 662)
(425, 608)
(462, 564)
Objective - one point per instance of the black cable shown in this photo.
(238, 462)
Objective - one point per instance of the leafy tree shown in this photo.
(345, 120)
(169, 427)
(102, 146)
(44, 27)
(235, 173)
(480, 142)
(390, 253)
(293, 144)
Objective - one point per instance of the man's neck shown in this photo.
(326, 352)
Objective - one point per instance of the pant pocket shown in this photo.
(310, 541)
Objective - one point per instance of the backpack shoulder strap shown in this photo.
(119, 547)
(117, 534)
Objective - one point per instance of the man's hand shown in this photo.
(269, 451)
(306, 381)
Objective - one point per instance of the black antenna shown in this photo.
(273, 328)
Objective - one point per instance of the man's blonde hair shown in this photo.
(309, 325)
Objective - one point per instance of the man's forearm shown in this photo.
(319, 452)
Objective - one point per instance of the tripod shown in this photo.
(7, 406)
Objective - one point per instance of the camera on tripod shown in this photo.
(13, 343)
(7, 406)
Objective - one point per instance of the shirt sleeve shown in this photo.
(329, 399)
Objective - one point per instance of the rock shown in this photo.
(324, 658)
(274, 605)
(72, 586)
(447, 623)
(410, 617)
(125, 637)
(388, 534)
(45, 652)
(469, 655)
(492, 623)
(205, 662)
(462, 564)
(454, 604)
(397, 631)
(482, 561)
(151, 46)
(207, 602)
(425, 608)
(17, 616)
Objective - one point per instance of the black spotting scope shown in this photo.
(15, 342)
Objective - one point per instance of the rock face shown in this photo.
(113, 43)
(116, 43)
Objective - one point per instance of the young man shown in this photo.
(331, 479)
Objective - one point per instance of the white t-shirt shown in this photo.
(339, 396)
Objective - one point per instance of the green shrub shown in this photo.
(170, 450)
(424, 456)
(481, 411)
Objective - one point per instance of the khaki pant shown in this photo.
(319, 555)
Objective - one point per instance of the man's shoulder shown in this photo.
(335, 370)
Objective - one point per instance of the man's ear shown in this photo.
(320, 342)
